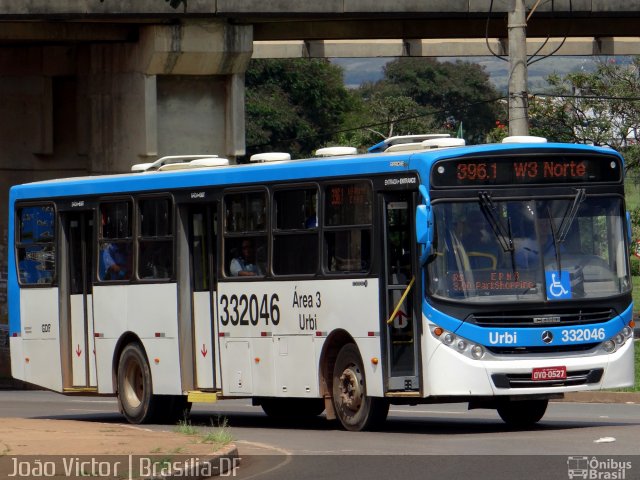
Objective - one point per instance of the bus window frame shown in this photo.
(324, 228)
(17, 238)
(317, 230)
(100, 238)
(225, 235)
(138, 237)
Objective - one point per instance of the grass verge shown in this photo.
(219, 436)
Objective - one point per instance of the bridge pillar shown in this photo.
(93, 108)
(179, 89)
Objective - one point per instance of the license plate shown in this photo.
(549, 373)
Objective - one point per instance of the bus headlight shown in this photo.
(609, 346)
(477, 352)
(459, 344)
(448, 338)
(618, 340)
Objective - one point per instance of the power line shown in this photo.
(588, 97)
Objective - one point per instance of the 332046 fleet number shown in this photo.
(249, 309)
(583, 335)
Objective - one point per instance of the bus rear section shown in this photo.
(527, 291)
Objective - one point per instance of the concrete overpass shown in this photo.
(339, 28)
(91, 86)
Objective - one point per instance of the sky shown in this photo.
(359, 70)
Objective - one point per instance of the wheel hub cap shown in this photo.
(351, 388)
(134, 385)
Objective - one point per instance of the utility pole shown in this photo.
(518, 96)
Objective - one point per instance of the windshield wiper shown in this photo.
(502, 233)
(556, 237)
(570, 216)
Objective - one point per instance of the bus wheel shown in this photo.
(135, 392)
(522, 413)
(355, 410)
(283, 408)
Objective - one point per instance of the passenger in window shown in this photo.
(115, 262)
(311, 217)
(245, 264)
(155, 260)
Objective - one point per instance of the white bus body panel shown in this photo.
(203, 348)
(164, 361)
(39, 318)
(370, 348)
(283, 360)
(263, 365)
(142, 309)
(238, 373)
(17, 357)
(79, 346)
(293, 359)
(151, 312)
(105, 347)
(620, 367)
(451, 373)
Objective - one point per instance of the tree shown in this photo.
(600, 107)
(299, 105)
(378, 114)
(453, 92)
(294, 106)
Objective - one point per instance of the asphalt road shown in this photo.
(425, 441)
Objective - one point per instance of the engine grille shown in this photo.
(538, 319)
(523, 380)
(583, 347)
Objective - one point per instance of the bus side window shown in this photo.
(245, 234)
(36, 245)
(295, 230)
(155, 242)
(348, 216)
(115, 241)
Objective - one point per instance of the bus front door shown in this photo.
(202, 245)
(400, 315)
(79, 337)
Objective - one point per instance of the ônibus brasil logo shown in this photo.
(593, 468)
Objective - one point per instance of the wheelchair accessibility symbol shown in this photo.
(558, 285)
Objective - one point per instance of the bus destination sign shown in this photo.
(526, 170)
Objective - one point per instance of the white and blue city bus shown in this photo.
(496, 275)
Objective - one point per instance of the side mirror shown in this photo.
(629, 234)
(424, 229)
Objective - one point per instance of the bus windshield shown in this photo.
(528, 250)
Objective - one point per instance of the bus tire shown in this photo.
(283, 408)
(135, 390)
(522, 413)
(354, 408)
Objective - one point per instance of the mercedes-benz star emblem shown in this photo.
(547, 336)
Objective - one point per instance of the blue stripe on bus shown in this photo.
(202, 178)
(13, 289)
(530, 336)
(243, 174)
